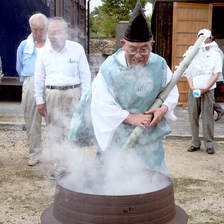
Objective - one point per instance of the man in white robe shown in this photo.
(127, 84)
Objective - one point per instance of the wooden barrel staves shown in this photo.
(76, 207)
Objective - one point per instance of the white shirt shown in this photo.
(66, 68)
(216, 48)
(107, 114)
(204, 66)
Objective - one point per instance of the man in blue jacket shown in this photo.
(25, 64)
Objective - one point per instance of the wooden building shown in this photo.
(14, 27)
(175, 25)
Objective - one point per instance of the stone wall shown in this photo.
(100, 49)
(102, 45)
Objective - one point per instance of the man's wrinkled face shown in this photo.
(57, 34)
(38, 29)
(208, 40)
(137, 53)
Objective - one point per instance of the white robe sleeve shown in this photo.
(172, 99)
(106, 113)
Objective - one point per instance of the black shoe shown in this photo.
(210, 151)
(220, 114)
(56, 175)
(192, 149)
(219, 110)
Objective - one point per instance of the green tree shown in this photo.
(149, 18)
(106, 17)
(96, 21)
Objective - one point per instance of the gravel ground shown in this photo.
(198, 179)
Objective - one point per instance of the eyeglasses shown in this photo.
(141, 51)
(58, 32)
(35, 30)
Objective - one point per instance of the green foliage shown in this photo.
(95, 21)
(103, 19)
(149, 18)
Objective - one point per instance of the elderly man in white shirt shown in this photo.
(202, 74)
(61, 68)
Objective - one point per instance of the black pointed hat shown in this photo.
(138, 29)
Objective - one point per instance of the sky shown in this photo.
(95, 3)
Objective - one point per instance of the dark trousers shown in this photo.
(202, 106)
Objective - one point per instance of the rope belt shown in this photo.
(63, 87)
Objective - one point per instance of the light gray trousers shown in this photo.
(202, 106)
(32, 118)
(60, 109)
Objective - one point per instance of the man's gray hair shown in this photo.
(38, 15)
(60, 19)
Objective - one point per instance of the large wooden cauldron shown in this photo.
(72, 206)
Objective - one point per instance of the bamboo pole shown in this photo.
(136, 133)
